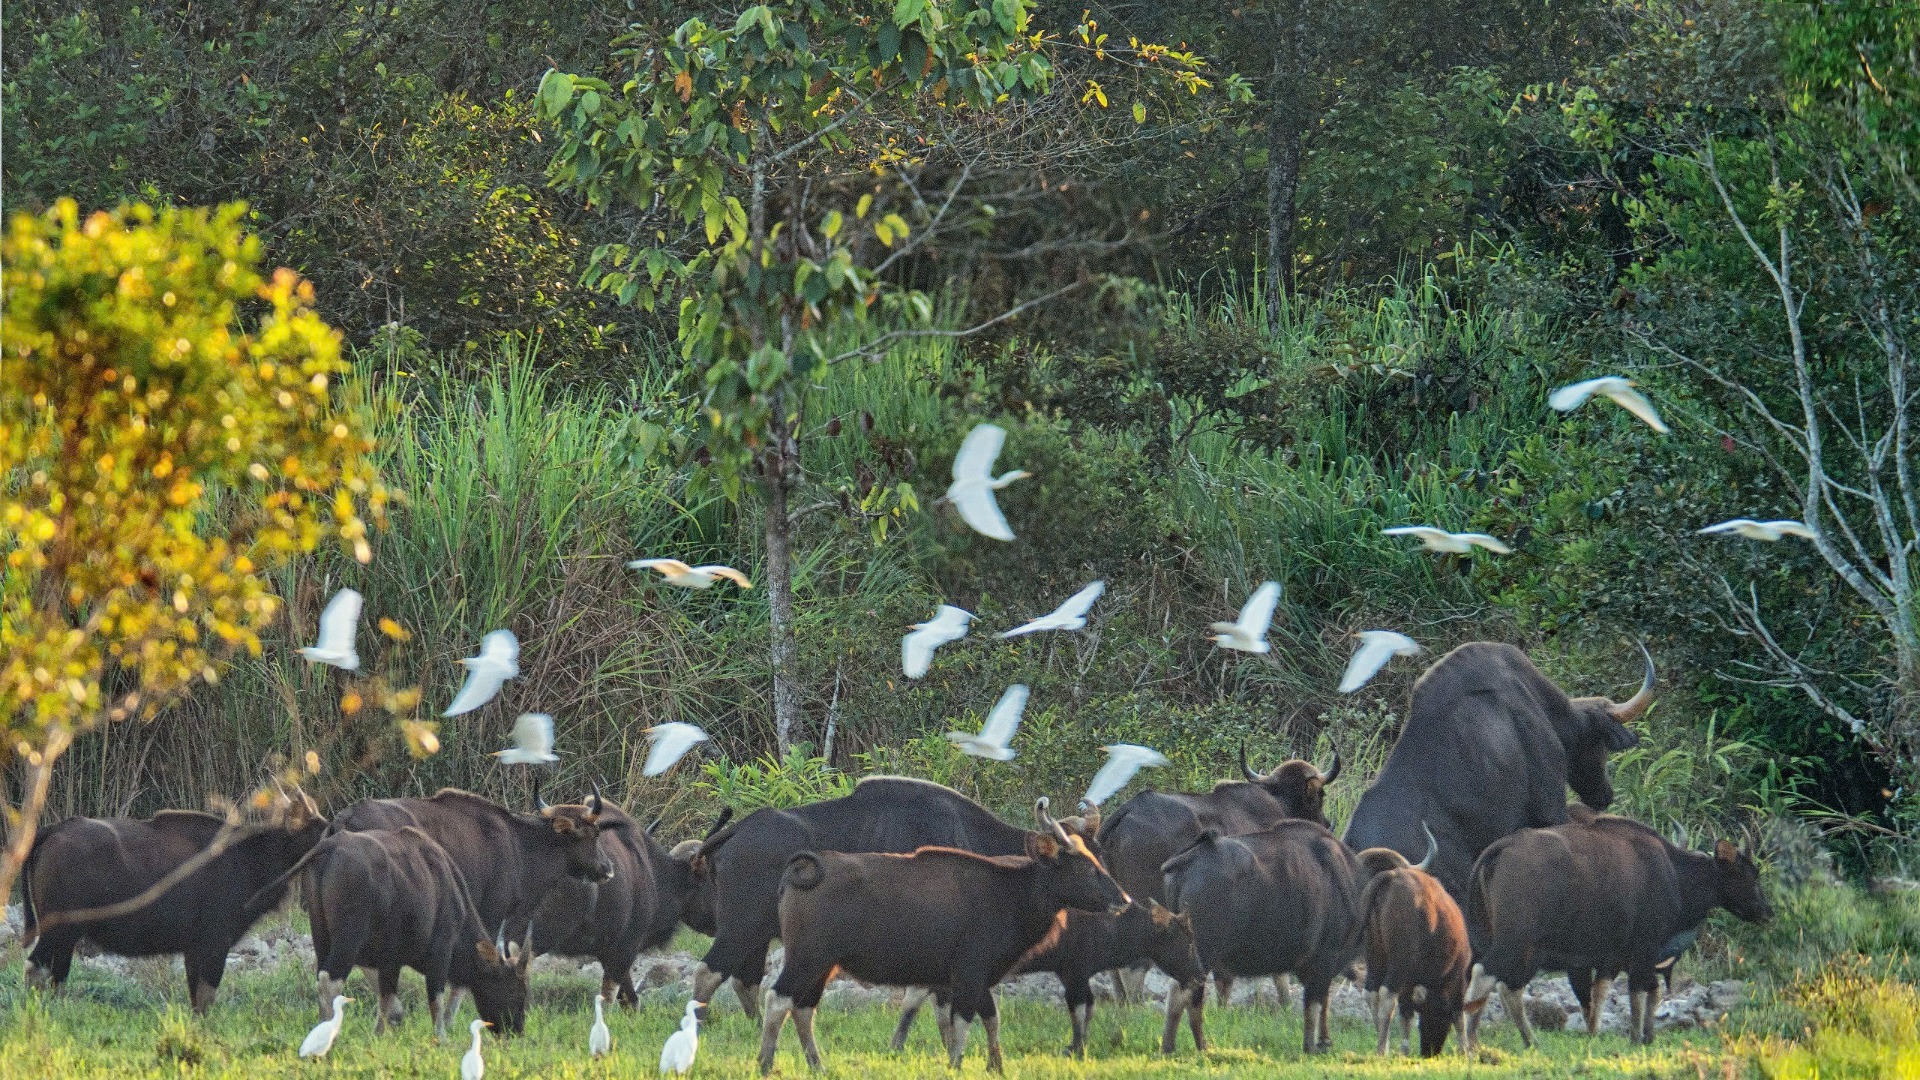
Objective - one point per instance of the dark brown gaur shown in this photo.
(949, 920)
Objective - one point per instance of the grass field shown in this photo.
(138, 1026)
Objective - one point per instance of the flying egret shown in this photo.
(998, 731)
(1376, 648)
(1071, 615)
(1616, 389)
(949, 624)
(1449, 543)
(671, 741)
(971, 492)
(677, 1055)
(599, 1039)
(320, 1039)
(691, 577)
(1123, 760)
(532, 741)
(337, 625)
(1760, 530)
(1248, 633)
(473, 1066)
(499, 660)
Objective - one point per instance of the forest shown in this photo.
(572, 283)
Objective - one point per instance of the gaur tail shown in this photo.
(803, 872)
(270, 894)
(30, 918)
(1477, 913)
(716, 839)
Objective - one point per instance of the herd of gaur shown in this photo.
(1463, 870)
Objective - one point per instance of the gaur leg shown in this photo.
(1384, 1002)
(1438, 1015)
(1517, 1010)
(204, 972)
(51, 960)
(328, 987)
(390, 1013)
(909, 1009)
(1596, 1001)
(1223, 988)
(1078, 993)
(1196, 1002)
(1408, 1006)
(1643, 988)
(990, 1020)
(777, 1009)
(1283, 989)
(958, 1028)
(1130, 985)
(803, 1025)
(1185, 999)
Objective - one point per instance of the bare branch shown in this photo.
(879, 345)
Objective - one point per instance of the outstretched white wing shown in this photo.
(338, 625)
(1071, 615)
(727, 572)
(1439, 539)
(980, 510)
(1004, 720)
(949, 624)
(1616, 389)
(1790, 528)
(667, 567)
(499, 660)
(1376, 648)
(974, 463)
(1123, 760)
(671, 741)
(1734, 525)
(532, 740)
(1491, 543)
(1574, 395)
(1257, 615)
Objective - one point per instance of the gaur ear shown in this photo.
(561, 823)
(1619, 737)
(487, 952)
(615, 824)
(1726, 853)
(1042, 846)
(1161, 916)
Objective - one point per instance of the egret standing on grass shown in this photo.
(1123, 760)
(1769, 531)
(1071, 615)
(320, 1039)
(1248, 633)
(499, 660)
(337, 625)
(691, 577)
(473, 1066)
(677, 1055)
(998, 731)
(971, 492)
(671, 741)
(1449, 543)
(1376, 648)
(599, 1039)
(949, 624)
(1614, 388)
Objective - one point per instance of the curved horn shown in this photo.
(1631, 709)
(1329, 775)
(1246, 768)
(1433, 848)
(593, 800)
(541, 804)
(500, 939)
(1040, 815)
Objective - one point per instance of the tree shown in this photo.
(160, 462)
(790, 142)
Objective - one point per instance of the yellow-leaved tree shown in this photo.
(170, 432)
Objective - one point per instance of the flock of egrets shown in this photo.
(972, 495)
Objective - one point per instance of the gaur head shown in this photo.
(1739, 882)
(1169, 940)
(1600, 728)
(1085, 825)
(696, 903)
(500, 982)
(577, 829)
(1299, 786)
(1069, 872)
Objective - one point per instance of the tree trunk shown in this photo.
(1286, 126)
(779, 579)
(24, 821)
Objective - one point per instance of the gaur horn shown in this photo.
(1246, 768)
(593, 800)
(500, 940)
(1329, 775)
(1631, 709)
(541, 804)
(1040, 815)
(1433, 848)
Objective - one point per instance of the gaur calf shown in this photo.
(1595, 897)
(1418, 957)
(940, 917)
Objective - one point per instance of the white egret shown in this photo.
(599, 1039)
(472, 1065)
(691, 577)
(949, 624)
(337, 626)
(1123, 760)
(670, 743)
(532, 741)
(1376, 648)
(320, 1039)
(677, 1055)
(499, 660)
(1616, 389)
(1071, 615)
(998, 731)
(971, 492)
(1449, 543)
(1769, 531)
(1248, 633)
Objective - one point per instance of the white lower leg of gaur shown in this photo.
(1517, 1009)
(1406, 1022)
(957, 1032)
(1640, 1018)
(1653, 1004)
(910, 1007)
(1596, 999)
(803, 1024)
(1384, 1003)
(328, 988)
(991, 1022)
(1479, 989)
(778, 1007)
(1080, 1015)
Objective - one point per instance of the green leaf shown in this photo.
(860, 208)
(556, 89)
(1011, 15)
(906, 12)
(1139, 112)
(897, 224)
(884, 231)
(831, 227)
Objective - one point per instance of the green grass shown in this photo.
(139, 1027)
